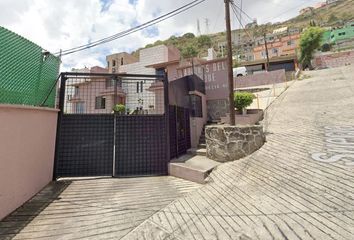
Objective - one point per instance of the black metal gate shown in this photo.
(112, 125)
(180, 138)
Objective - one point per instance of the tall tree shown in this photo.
(310, 41)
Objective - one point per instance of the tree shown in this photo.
(189, 35)
(310, 41)
(326, 47)
(312, 23)
(235, 64)
(189, 51)
(204, 41)
(332, 18)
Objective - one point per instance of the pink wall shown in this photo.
(264, 78)
(27, 142)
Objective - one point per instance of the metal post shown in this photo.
(114, 127)
(193, 66)
(229, 61)
(167, 115)
(59, 119)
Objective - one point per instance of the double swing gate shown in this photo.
(118, 125)
(112, 125)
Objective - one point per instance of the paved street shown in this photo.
(280, 192)
(298, 186)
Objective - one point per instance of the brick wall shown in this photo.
(334, 60)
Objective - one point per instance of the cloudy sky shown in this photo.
(63, 24)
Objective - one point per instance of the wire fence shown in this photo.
(28, 74)
(85, 94)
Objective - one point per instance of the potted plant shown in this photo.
(119, 109)
(243, 100)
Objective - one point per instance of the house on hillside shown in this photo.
(277, 46)
(320, 5)
(306, 10)
(331, 1)
(343, 37)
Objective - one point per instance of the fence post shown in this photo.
(167, 115)
(59, 119)
(115, 98)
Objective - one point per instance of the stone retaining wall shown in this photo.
(228, 143)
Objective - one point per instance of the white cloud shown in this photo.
(64, 24)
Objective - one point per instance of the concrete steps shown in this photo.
(194, 168)
(197, 151)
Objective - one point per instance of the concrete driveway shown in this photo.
(106, 208)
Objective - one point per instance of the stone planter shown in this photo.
(252, 117)
(228, 143)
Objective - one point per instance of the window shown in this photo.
(108, 64)
(196, 106)
(264, 55)
(160, 71)
(79, 107)
(119, 83)
(275, 51)
(76, 91)
(290, 42)
(109, 83)
(113, 63)
(341, 34)
(100, 103)
(139, 87)
(121, 61)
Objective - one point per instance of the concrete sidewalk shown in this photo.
(281, 191)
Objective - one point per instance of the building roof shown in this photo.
(280, 30)
(162, 64)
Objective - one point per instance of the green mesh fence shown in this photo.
(27, 74)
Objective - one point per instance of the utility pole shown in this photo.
(229, 62)
(198, 27)
(207, 25)
(266, 49)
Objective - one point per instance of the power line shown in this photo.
(242, 11)
(134, 29)
(239, 20)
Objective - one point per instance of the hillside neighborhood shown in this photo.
(244, 132)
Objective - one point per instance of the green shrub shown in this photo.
(188, 35)
(119, 108)
(243, 99)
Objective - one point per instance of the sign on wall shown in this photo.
(214, 74)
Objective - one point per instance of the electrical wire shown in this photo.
(134, 29)
(239, 20)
